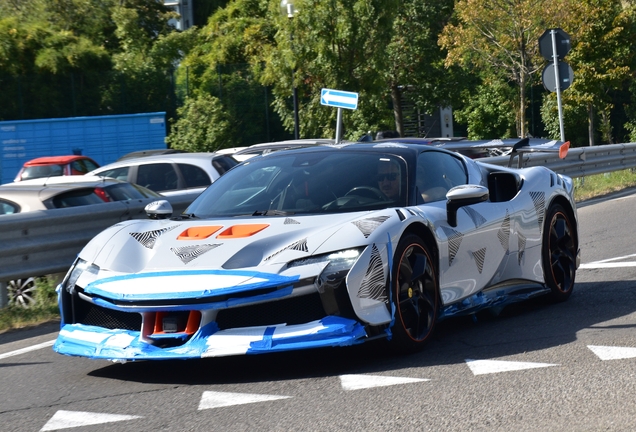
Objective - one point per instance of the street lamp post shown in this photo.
(288, 9)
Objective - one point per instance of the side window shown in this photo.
(223, 163)
(158, 177)
(438, 172)
(194, 176)
(116, 173)
(75, 198)
(7, 207)
(90, 165)
(79, 167)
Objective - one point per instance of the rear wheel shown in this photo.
(559, 253)
(414, 294)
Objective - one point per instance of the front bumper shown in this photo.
(126, 345)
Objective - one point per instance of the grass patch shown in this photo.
(45, 308)
(602, 184)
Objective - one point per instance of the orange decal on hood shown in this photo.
(240, 231)
(198, 233)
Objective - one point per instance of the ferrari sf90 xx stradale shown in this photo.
(329, 245)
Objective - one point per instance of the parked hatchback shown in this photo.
(170, 174)
(59, 192)
(50, 166)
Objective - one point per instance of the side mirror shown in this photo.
(461, 196)
(159, 209)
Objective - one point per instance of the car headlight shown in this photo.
(339, 264)
(339, 259)
(76, 271)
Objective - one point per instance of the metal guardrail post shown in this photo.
(4, 295)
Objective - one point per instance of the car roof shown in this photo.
(55, 160)
(21, 191)
(371, 146)
(150, 152)
(200, 157)
(86, 180)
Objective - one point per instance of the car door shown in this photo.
(474, 253)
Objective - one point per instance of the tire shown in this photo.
(415, 295)
(558, 252)
(22, 292)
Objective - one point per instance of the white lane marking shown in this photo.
(613, 353)
(212, 399)
(70, 419)
(27, 349)
(357, 382)
(481, 367)
(608, 263)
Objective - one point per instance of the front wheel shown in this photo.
(22, 292)
(559, 253)
(414, 294)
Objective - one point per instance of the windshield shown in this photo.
(40, 171)
(308, 182)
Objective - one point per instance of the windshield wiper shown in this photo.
(188, 216)
(271, 213)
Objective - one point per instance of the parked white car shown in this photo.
(170, 174)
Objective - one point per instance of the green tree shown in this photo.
(499, 38)
(385, 51)
(226, 61)
(415, 67)
(78, 57)
(603, 61)
(203, 125)
(489, 110)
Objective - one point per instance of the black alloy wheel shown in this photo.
(415, 294)
(559, 250)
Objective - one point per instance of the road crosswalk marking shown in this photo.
(482, 367)
(357, 382)
(70, 419)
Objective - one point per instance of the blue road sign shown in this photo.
(339, 99)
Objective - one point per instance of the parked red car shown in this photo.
(51, 166)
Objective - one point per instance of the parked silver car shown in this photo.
(170, 174)
(60, 192)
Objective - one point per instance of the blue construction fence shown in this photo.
(103, 138)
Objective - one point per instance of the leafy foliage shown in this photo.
(203, 126)
(489, 112)
(88, 57)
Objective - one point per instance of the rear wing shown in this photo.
(513, 146)
(524, 146)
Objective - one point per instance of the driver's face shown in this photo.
(389, 180)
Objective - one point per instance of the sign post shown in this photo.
(554, 44)
(339, 99)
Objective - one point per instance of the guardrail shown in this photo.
(47, 242)
(580, 161)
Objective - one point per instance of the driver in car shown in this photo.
(388, 179)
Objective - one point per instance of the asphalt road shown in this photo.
(534, 367)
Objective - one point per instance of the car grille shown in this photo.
(293, 310)
(90, 314)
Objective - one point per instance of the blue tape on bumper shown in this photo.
(124, 345)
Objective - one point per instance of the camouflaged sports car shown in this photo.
(324, 246)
